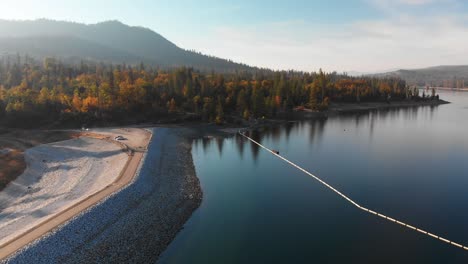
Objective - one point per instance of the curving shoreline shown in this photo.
(137, 223)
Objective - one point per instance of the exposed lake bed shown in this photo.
(135, 223)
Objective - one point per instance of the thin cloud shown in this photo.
(416, 2)
(400, 38)
(372, 45)
(422, 7)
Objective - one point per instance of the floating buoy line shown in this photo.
(276, 153)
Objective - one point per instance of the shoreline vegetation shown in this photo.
(338, 109)
(353, 107)
(52, 94)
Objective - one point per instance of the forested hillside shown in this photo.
(35, 93)
(439, 76)
(110, 42)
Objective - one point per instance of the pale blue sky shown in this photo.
(353, 35)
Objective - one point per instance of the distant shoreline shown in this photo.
(367, 106)
(334, 109)
(450, 89)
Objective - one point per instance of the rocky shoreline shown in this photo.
(136, 224)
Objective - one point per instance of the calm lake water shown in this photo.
(410, 164)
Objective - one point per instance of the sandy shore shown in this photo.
(61, 180)
(135, 224)
(13, 144)
(58, 175)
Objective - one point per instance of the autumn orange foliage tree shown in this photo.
(53, 91)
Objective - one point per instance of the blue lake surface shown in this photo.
(410, 164)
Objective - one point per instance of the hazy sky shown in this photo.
(342, 35)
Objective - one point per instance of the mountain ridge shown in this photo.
(102, 42)
(453, 76)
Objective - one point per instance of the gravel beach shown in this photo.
(136, 224)
(58, 175)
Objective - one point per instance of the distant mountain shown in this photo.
(441, 76)
(359, 74)
(109, 41)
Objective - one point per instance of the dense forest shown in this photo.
(49, 92)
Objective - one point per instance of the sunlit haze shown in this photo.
(358, 35)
